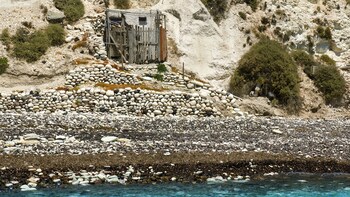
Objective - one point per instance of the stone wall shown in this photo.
(81, 93)
(99, 73)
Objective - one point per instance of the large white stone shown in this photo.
(31, 136)
(109, 93)
(27, 188)
(157, 112)
(109, 139)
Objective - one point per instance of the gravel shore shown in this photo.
(44, 149)
(101, 133)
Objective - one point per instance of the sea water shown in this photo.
(291, 185)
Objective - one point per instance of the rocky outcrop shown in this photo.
(55, 16)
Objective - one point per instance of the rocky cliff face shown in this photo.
(212, 50)
(208, 48)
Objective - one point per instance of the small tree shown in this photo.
(305, 60)
(161, 68)
(331, 83)
(252, 3)
(5, 38)
(56, 34)
(217, 8)
(122, 4)
(31, 50)
(268, 65)
(327, 60)
(3, 65)
(73, 9)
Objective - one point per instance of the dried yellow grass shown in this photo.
(106, 86)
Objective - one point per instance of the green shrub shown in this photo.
(268, 65)
(331, 83)
(44, 9)
(60, 4)
(27, 24)
(22, 35)
(327, 60)
(3, 64)
(328, 33)
(122, 4)
(262, 28)
(252, 3)
(324, 32)
(305, 60)
(73, 9)
(217, 8)
(56, 34)
(242, 15)
(33, 48)
(5, 38)
(265, 21)
(161, 68)
(158, 77)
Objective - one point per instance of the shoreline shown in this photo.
(44, 150)
(53, 170)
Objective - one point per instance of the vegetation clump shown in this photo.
(331, 83)
(217, 8)
(30, 46)
(5, 38)
(305, 60)
(56, 34)
(161, 68)
(158, 77)
(73, 9)
(269, 66)
(242, 15)
(324, 32)
(252, 3)
(122, 4)
(327, 60)
(3, 65)
(326, 76)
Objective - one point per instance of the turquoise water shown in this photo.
(300, 185)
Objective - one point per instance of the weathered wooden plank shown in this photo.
(131, 53)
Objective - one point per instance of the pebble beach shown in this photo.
(43, 150)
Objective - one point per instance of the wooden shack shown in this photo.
(136, 36)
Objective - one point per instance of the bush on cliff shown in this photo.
(269, 66)
(56, 34)
(3, 64)
(327, 78)
(331, 83)
(304, 60)
(31, 46)
(73, 9)
(253, 4)
(217, 8)
(122, 4)
(5, 38)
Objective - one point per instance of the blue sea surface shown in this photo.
(292, 185)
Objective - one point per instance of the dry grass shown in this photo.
(189, 74)
(173, 49)
(81, 43)
(80, 61)
(62, 88)
(134, 87)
